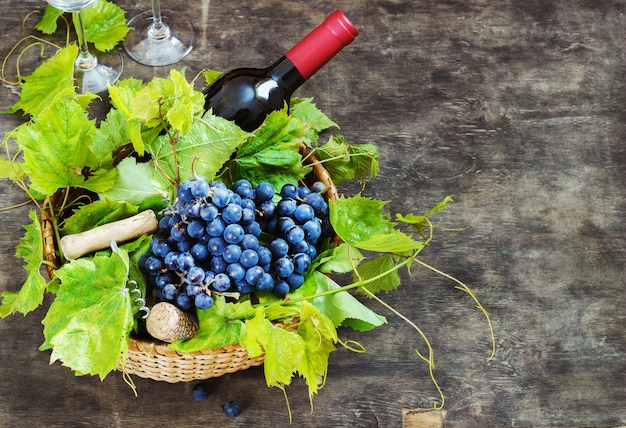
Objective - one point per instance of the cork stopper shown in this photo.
(99, 238)
(168, 323)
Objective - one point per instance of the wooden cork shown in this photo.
(99, 238)
(168, 323)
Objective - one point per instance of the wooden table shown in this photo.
(514, 108)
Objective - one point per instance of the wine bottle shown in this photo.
(248, 95)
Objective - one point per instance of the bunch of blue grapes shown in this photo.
(216, 240)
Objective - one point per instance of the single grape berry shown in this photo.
(281, 288)
(199, 392)
(199, 188)
(203, 301)
(220, 197)
(264, 192)
(233, 233)
(289, 191)
(232, 409)
(318, 187)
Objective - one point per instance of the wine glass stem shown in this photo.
(85, 61)
(158, 30)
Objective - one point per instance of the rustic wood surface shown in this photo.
(516, 108)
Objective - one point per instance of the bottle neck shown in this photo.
(322, 44)
(286, 74)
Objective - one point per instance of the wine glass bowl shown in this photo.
(92, 72)
(71, 5)
(159, 37)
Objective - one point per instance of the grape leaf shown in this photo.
(105, 25)
(219, 326)
(421, 220)
(273, 154)
(187, 103)
(381, 265)
(343, 258)
(211, 75)
(56, 149)
(360, 221)
(170, 98)
(11, 169)
(319, 335)
(88, 324)
(134, 183)
(31, 294)
(110, 135)
(96, 214)
(255, 332)
(305, 110)
(342, 307)
(122, 95)
(52, 77)
(347, 162)
(283, 351)
(123, 92)
(278, 311)
(48, 22)
(211, 141)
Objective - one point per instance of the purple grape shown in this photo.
(232, 409)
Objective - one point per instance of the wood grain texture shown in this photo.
(514, 108)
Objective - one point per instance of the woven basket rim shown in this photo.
(150, 358)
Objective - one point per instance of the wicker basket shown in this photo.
(152, 359)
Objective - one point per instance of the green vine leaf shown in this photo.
(379, 274)
(306, 110)
(360, 221)
(422, 220)
(347, 162)
(112, 134)
(122, 95)
(104, 22)
(31, 294)
(43, 86)
(256, 332)
(341, 307)
(88, 324)
(48, 22)
(105, 25)
(319, 335)
(341, 259)
(12, 170)
(283, 351)
(273, 153)
(56, 149)
(187, 103)
(209, 143)
(135, 183)
(171, 98)
(219, 326)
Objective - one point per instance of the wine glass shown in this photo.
(157, 39)
(91, 72)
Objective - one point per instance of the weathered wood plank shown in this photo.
(517, 110)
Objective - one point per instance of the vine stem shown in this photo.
(357, 284)
(38, 41)
(461, 286)
(431, 354)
